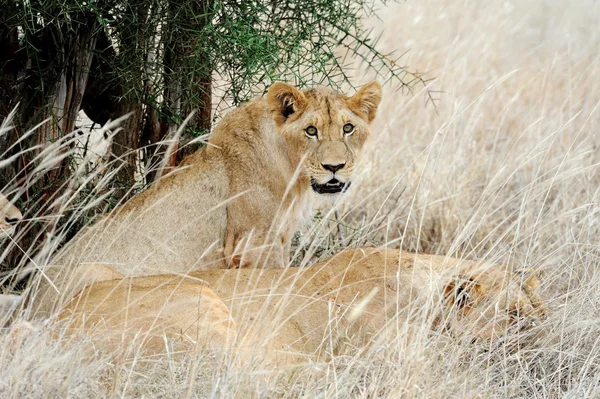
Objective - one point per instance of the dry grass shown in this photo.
(506, 169)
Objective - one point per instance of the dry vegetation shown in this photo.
(505, 169)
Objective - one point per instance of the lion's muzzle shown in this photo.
(333, 186)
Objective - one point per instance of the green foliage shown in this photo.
(243, 46)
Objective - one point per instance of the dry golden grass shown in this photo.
(505, 169)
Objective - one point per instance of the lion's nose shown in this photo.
(333, 168)
(13, 220)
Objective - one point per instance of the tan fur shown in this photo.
(9, 217)
(291, 315)
(145, 310)
(234, 203)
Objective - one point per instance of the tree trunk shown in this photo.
(125, 147)
(201, 87)
(187, 79)
(48, 84)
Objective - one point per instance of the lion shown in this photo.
(237, 201)
(10, 216)
(293, 315)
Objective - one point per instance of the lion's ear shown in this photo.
(366, 100)
(286, 102)
(528, 279)
(532, 281)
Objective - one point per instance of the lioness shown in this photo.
(250, 187)
(9, 217)
(353, 298)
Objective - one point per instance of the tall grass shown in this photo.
(505, 168)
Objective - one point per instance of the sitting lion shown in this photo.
(297, 314)
(249, 188)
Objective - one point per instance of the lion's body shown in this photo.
(293, 314)
(234, 203)
(176, 308)
(163, 229)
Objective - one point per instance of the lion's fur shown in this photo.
(234, 203)
(150, 309)
(287, 315)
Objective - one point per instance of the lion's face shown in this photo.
(324, 131)
(492, 302)
(9, 217)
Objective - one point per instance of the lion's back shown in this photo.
(150, 234)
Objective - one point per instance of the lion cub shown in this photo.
(237, 201)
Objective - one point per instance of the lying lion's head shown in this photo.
(9, 217)
(324, 130)
(491, 303)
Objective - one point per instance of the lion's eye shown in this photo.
(311, 131)
(348, 128)
(515, 314)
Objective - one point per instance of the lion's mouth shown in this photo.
(333, 186)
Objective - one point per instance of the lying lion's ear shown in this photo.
(528, 278)
(532, 281)
(366, 100)
(285, 101)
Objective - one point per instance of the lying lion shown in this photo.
(286, 316)
(252, 185)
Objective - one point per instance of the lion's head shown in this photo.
(9, 217)
(490, 303)
(324, 130)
